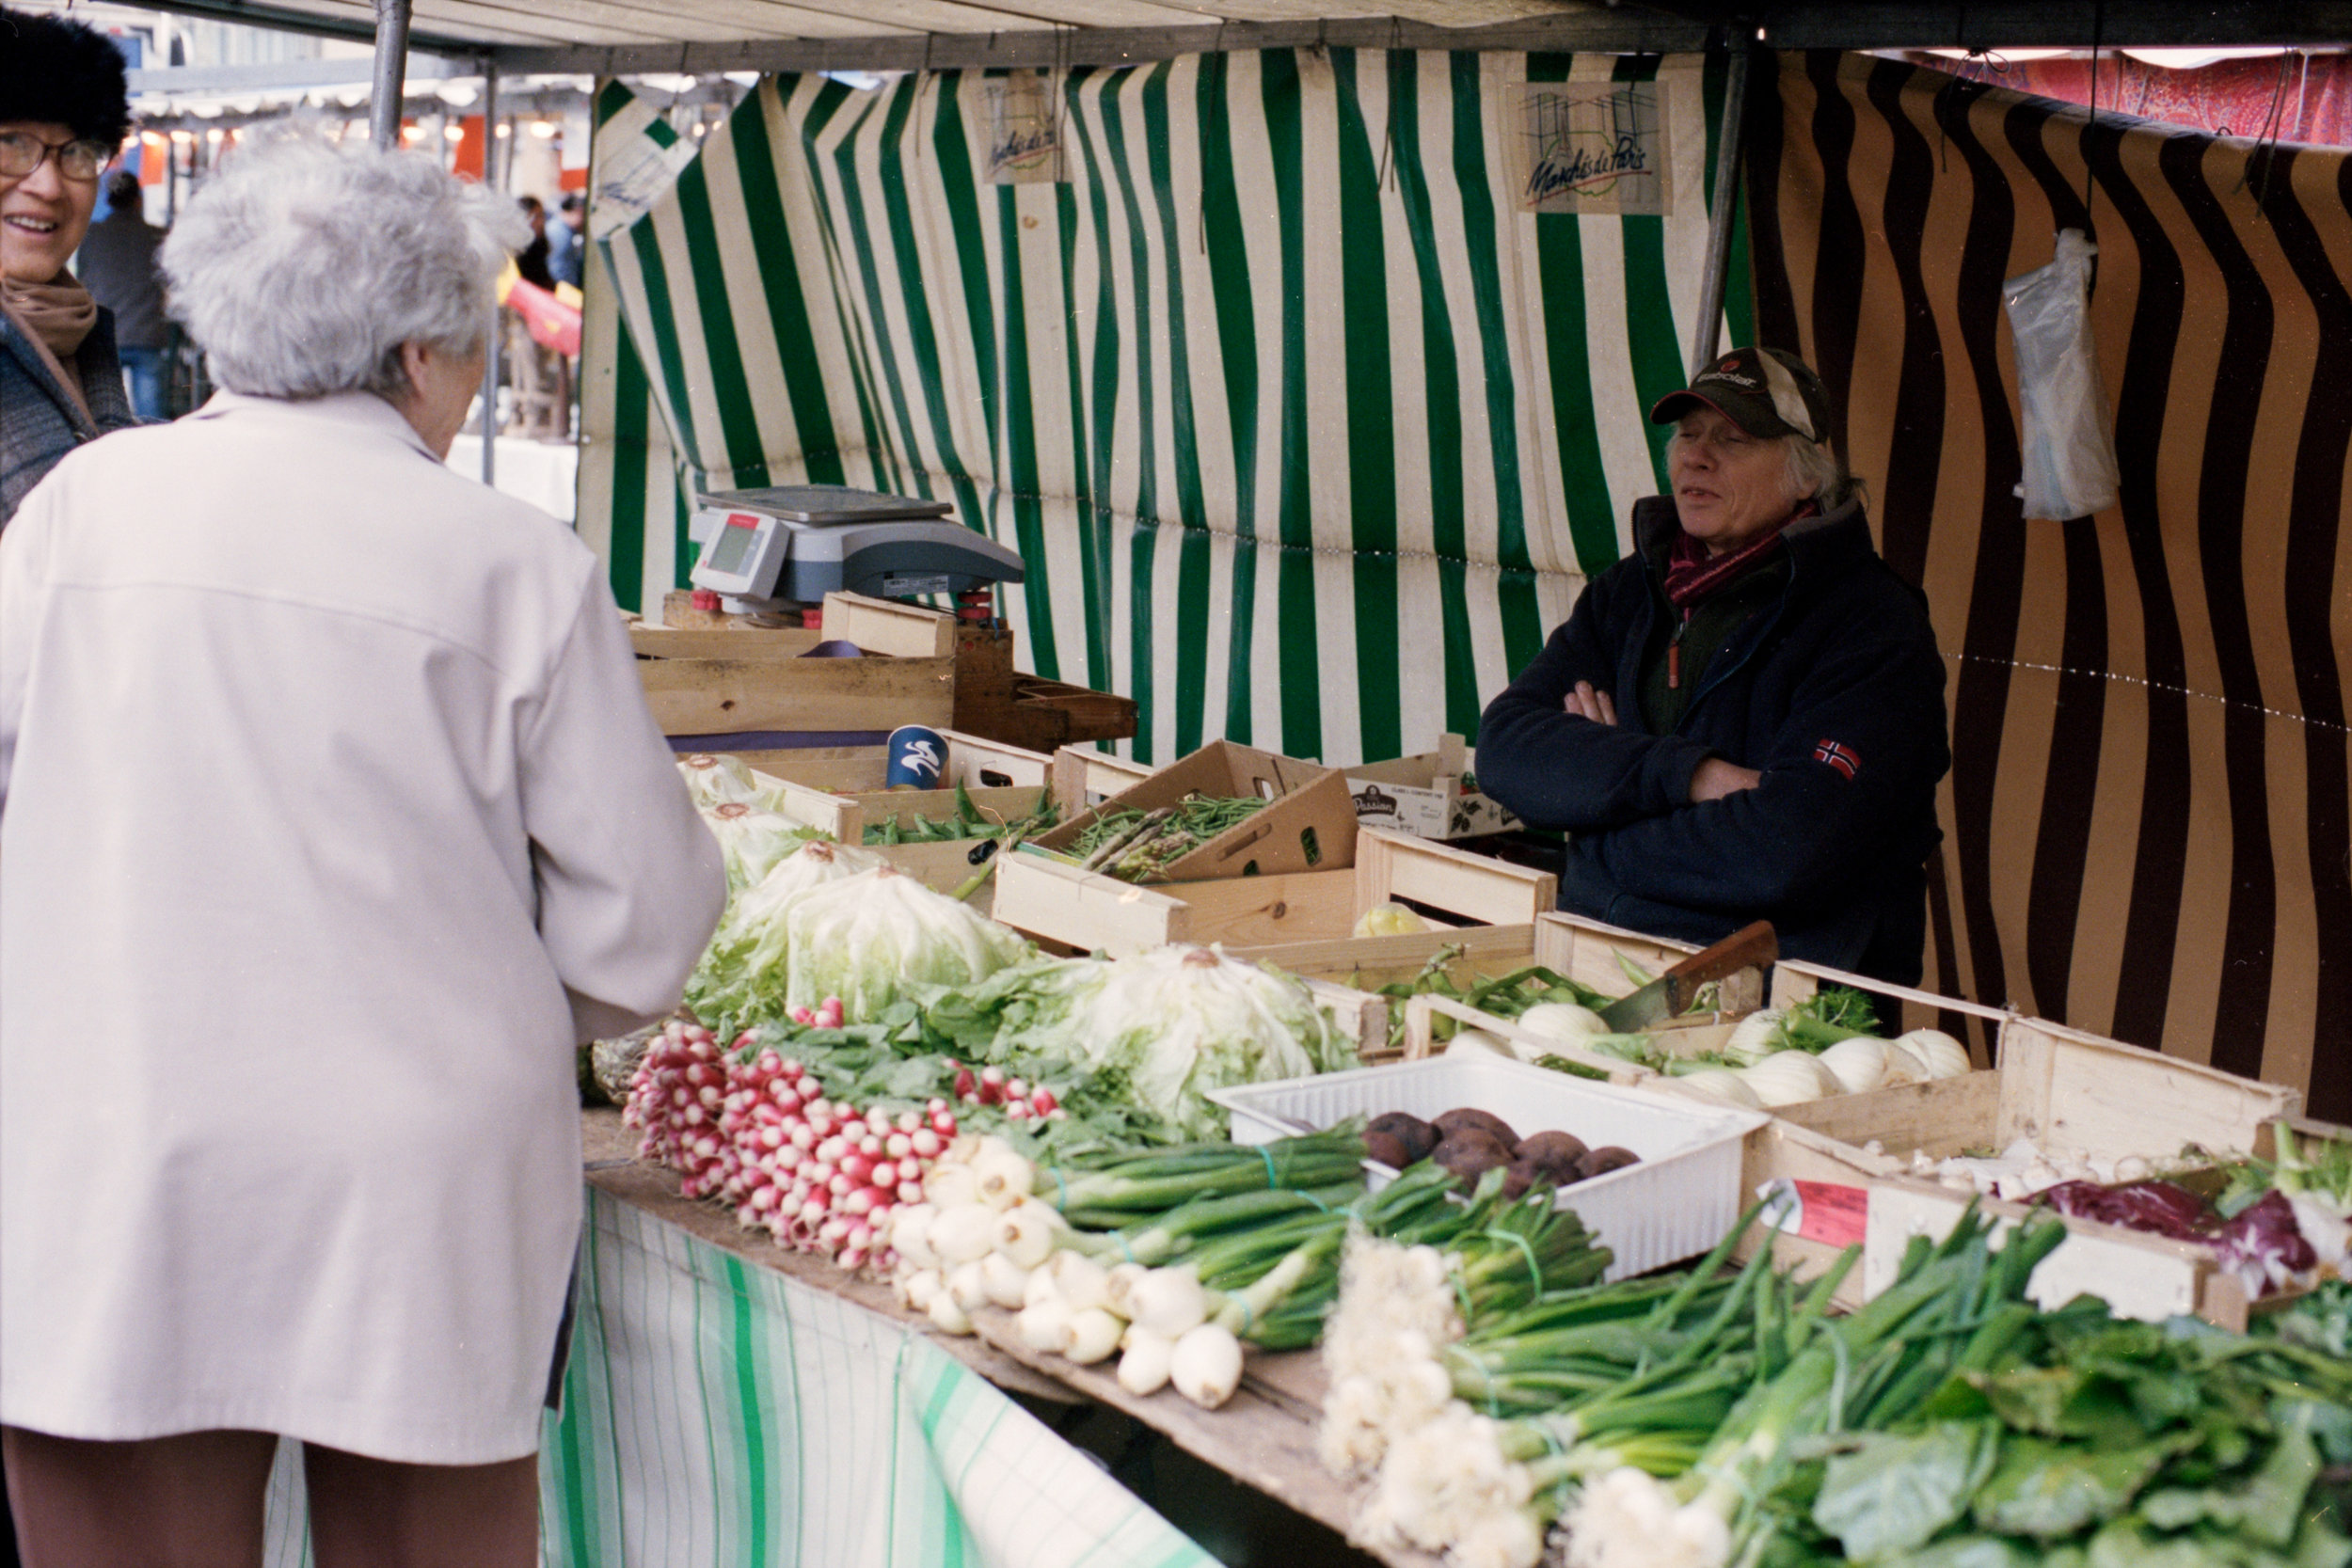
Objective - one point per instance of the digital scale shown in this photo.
(765, 550)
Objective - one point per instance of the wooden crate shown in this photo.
(1848, 1158)
(1084, 778)
(994, 699)
(746, 679)
(1087, 910)
(1354, 967)
(859, 771)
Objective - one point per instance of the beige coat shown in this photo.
(330, 818)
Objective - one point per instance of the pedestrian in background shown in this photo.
(568, 244)
(117, 264)
(63, 111)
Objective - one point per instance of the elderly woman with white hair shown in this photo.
(331, 817)
(1743, 719)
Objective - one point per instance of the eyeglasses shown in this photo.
(20, 153)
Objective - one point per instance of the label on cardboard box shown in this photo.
(1433, 814)
(1829, 1212)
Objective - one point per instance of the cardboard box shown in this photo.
(1425, 796)
(1307, 825)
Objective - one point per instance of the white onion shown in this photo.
(1942, 1055)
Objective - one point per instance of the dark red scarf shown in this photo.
(1693, 575)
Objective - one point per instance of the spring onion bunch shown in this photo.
(1481, 1441)
(1955, 1306)
(1143, 1252)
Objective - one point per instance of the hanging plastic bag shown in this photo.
(2069, 456)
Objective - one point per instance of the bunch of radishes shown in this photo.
(754, 1129)
(1020, 1101)
(981, 1237)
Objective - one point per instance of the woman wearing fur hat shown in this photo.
(63, 112)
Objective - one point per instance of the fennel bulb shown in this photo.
(1789, 1077)
(1563, 1021)
(1942, 1055)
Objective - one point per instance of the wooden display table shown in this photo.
(1263, 1436)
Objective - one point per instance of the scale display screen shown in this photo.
(728, 551)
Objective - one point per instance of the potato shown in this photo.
(1556, 1152)
(1448, 1122)
(1600, 1162)
(1524, 1174)
(1387, 1149)
(1417, 1136)
(1470, 1154)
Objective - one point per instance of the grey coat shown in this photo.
(40, 421)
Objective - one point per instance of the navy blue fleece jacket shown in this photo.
(1835, 692)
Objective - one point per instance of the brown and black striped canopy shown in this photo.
(2147, 816)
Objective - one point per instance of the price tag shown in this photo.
(1829, 1212)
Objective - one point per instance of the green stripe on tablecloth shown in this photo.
(780, 282)
(750, 1412)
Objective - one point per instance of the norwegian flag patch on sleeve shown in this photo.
(1837, 756)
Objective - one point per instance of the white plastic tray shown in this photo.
(1676, 1204)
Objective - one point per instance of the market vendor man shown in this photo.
(1744, 718)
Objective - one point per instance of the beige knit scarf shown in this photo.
(57, 316)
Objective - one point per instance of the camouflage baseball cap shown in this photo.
(1766, 391)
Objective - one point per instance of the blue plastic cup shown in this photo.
(918, 758)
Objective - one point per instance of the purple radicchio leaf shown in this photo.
(2264, 1246)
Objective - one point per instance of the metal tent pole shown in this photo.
(491, 359)
(391, 71)
(1706, 334)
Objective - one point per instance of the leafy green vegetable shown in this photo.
(1891, 1494)
(2050, 1489)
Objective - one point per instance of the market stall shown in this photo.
(1265, 516)
(1597, 1342)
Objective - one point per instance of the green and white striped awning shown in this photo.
(1307, 432)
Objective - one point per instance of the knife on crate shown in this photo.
(1751, 946)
